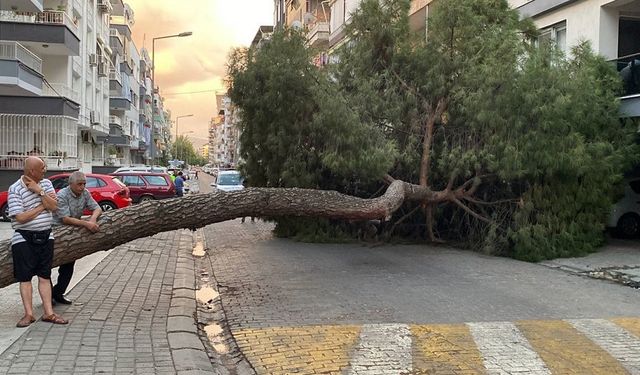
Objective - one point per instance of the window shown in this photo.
(60, 183)
(133, 181)
(93, 182)
(556, 34)
(156, 180)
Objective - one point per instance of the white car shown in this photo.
(625, 215)
(228, 181)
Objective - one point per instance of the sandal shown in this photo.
(55, 319)
(25, 321)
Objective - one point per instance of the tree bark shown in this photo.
(194, 211)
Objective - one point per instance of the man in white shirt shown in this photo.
(31, 202)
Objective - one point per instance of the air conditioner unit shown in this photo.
(93, 118)
(104, 5)
(85, 135)
(102, 70)
(93, 59)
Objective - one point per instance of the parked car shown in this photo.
(144, 186)
(227, 181)
(141, 168)
(625, 215)
(108, 191)
(4, 207)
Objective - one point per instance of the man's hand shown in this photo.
(92, 226)
(31, 184)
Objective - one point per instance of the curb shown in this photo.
(189, 354)
(212, 322)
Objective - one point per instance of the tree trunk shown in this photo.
(194, 211)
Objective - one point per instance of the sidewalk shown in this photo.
(618, 261)
(124, 319)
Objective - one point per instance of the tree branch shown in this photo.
(470, 211)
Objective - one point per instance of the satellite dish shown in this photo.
(296, 25)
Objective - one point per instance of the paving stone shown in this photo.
(184, 340)
(181, 324)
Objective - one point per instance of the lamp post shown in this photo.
(153, 84)
(178, 118)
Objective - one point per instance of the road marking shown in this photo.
(630, 324)
(298, 350)
(621, 344)
(445, 348)
(567, 351)
(505, 350)
(382, 349)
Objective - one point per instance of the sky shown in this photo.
(197, 62)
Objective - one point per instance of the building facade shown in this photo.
(53, 87)
(611, 26)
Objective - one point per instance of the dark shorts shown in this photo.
(32, 260)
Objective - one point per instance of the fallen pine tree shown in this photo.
(118, 227)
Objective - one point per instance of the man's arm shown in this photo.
(27, 216)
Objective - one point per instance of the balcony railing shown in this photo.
(16, 51)
(57, 18)
(116, 34)
(629, 69)
(46, 17)
(115, 120)
(53, 138)
(114, 75)
(61, 89)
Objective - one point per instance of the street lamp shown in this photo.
(153, 82)
(178, 118)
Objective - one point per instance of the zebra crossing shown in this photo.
(571, 346)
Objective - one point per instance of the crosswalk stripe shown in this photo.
(445, 348)
(505, 349)
(630, 324)
(567, 351)
(298, 350)
(621, 344)
(382, 349)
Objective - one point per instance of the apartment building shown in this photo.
(122, 141)
(145, 108)
(53, 93)
(224, 134)
(612, 27)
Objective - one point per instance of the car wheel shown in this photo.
(146, 198)
(4, 212)
(107, 206)
(629, 225)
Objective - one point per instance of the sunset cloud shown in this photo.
(195, 63)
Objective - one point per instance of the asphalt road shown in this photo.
(355, 309)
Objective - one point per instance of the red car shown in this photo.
(108, 191)
(144, 186)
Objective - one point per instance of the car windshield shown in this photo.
(229, 179)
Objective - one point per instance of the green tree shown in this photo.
(520, 148)
(184, 150)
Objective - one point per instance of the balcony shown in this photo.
(22, 5)
(21, 70)
(54, 34)
(105, 6)
(53, 138)
(318, 35)
(61, 89)
(115, 80)
(115, 120)
(116, 41)
(629, 70)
